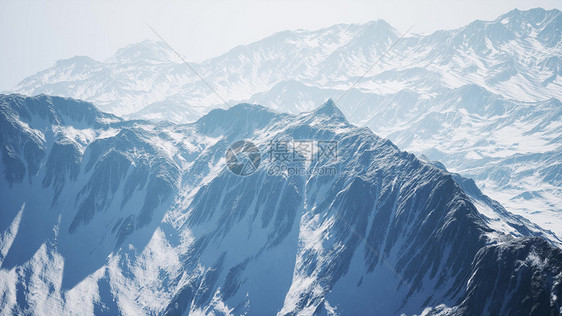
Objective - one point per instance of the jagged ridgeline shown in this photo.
(100, 215)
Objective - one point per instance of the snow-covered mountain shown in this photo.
(513, 149)
(516, 56)
(103, 215)
(483, 99)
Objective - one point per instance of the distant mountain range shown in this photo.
(483, 99)
(106, 216)
(516, 56)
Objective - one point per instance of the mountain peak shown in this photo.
(330, 110)
(534, 12)
(57, 110)
(536, 17)
(379, 23)
(378, 31)
(241, 117)
(73, 61)
(145, 51)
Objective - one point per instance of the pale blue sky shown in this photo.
(34, 34)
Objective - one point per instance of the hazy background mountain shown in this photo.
(516, 56)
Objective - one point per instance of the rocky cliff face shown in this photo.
(101, 215)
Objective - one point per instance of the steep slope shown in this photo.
(494, 214)
(137, 217)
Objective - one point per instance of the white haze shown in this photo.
(35, 34)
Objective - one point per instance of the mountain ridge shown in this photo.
(189, 236)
